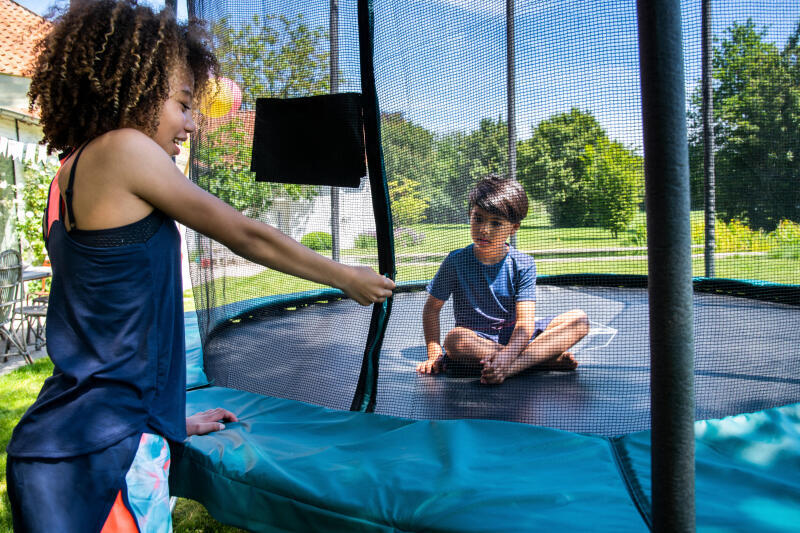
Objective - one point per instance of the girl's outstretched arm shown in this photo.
(148, 173)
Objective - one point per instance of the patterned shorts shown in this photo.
(147, 491)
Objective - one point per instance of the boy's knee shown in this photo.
(457, 339)
(575, 320)
(579, 320)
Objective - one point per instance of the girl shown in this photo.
(115, 84)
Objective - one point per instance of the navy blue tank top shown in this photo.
(115, 335)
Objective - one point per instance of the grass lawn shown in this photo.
(763, 267)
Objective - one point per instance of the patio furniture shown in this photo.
(33, 311)
(10, 292)
(34, 317)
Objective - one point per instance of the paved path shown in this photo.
(16, 361)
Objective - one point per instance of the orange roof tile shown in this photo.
(19, 33)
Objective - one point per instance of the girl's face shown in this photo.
(490, 233)
(175, 120)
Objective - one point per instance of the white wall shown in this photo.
(298, 218)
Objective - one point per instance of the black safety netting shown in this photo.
(441, 75)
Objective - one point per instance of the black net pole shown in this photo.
(333, 23)
(669, 264)
(365, 396)
(511, 97)
(708, 142)
(172, 5)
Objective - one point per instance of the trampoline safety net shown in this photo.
(444, 91)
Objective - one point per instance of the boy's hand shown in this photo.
(434, 363)
(366, 286)
(208, 421)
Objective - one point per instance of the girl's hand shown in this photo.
(366, 286)
(208, 421)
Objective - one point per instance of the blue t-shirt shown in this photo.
(485, 296)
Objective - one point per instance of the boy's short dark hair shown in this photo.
(503, 197)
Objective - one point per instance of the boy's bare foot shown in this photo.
(565, 361)
(497, 370)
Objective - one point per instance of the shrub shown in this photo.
(366, 241)
(733, 236)
(785, 240)
(28, 204)
(317, 241)
(638, 234)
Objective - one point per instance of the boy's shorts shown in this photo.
(503, 336)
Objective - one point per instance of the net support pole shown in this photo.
(172, 5)
(710, 194)
(669, 265)
(511, 98)
(367, 386)
(334, 75)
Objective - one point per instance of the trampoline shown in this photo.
(684, 408)
(609, 395)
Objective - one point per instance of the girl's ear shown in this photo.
(516, 228)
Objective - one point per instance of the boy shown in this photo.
(494, 297)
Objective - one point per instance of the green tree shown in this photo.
(487, 147)
(408, 205)
(453, 173)
(616, 184)
(757, 127)
(409, 158)
(551, 165)
(462, 159)
(273, 56)
(268, 57)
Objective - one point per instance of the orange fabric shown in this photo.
(120, 519)
(53, 200)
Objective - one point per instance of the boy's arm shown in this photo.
(431, 328)
(523, 330)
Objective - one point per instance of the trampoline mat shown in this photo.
(745, 360)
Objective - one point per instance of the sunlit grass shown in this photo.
(762, 267)
(18, 390)
(557, 251)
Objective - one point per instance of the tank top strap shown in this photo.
(68, 191)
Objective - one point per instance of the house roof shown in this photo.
(19, 33)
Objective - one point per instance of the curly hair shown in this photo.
(106, 64)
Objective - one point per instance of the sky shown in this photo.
(41, 6)
(443, 62)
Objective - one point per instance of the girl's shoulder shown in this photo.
(122, 151)
(125, 141)
(101, 149)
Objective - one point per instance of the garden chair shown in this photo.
(34, 317)
(10, 280)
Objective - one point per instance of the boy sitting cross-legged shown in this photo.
(494, 297)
